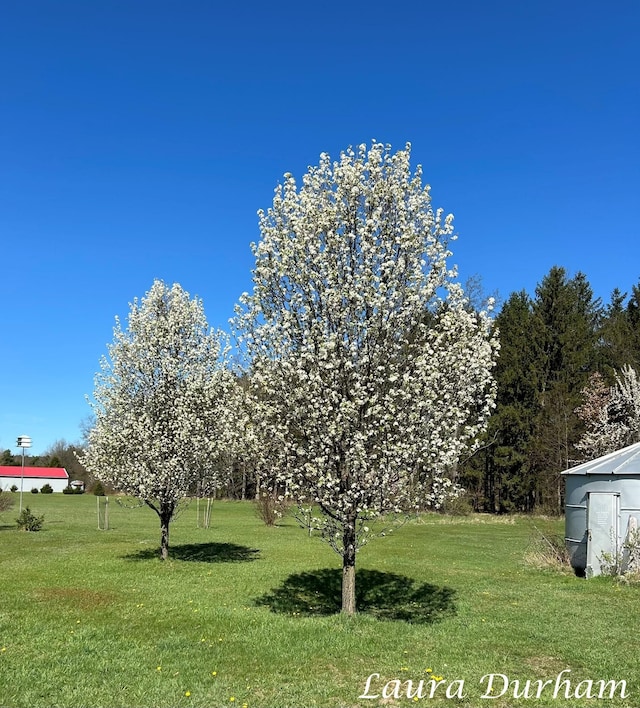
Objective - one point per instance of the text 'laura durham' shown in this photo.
(496, 686)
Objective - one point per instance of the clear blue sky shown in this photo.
(138, 139)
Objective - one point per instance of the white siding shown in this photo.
(30, 482)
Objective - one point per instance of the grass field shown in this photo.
(245, 615)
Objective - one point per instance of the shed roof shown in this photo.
(624, 461)
(34, 472)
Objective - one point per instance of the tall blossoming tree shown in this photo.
(161, 404)
(369, 371)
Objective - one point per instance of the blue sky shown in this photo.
(138, 139)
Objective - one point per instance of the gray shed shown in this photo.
(602, 512)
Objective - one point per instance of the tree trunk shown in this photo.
(164, 536)
(349, 568)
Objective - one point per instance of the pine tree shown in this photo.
(565, 330)
(498, 478)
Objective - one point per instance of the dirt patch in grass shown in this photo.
(547, 666)
(82, 598)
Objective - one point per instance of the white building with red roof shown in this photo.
(36, 477)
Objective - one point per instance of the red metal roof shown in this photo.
(34, 472)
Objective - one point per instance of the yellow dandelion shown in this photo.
(158, 668)
(3, 649)
(187, 693)
(428, 671)
(232, 699)
(404, 668)
(415, 699)
(214, 673)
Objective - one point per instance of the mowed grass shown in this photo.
(246, 615)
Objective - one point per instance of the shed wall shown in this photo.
(578, 487)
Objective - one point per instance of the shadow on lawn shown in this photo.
(384, 595)
(202, 553)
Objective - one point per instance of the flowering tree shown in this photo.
(370, 373)
(611, 414)
(161, 404)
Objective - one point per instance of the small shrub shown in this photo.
(271, 506)
(459, 505)
(611, 564)
(625, 564)
(547, 551)
(98, 489)
(46, 489)
(14, 488)
(28, 521)
(73, 490)
(6, 501)
(35, 490)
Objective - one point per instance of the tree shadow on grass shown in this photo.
(383, 595)
(202, 553)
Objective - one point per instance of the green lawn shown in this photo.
(245, 615)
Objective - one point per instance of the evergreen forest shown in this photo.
(551, 345)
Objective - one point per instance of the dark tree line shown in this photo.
(550, 344)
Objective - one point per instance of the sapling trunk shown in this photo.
(349, 568)
(164, 536)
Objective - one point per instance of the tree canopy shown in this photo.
(161, 404)
(369, 372)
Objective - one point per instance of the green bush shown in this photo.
(35, 490)
(27, 521)
(458, 506)
(73, 490)
(98, 489)
(14, 488)
(46, 489)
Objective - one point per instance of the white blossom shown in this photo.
(369, 372)
(611, 415)
(161, 404)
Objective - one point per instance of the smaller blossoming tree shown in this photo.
(162, 404)
(611, 414)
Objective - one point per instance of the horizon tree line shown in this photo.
(553, 345)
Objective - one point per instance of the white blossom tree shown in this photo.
(611, 414)
(162, 404)
(370, 373)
